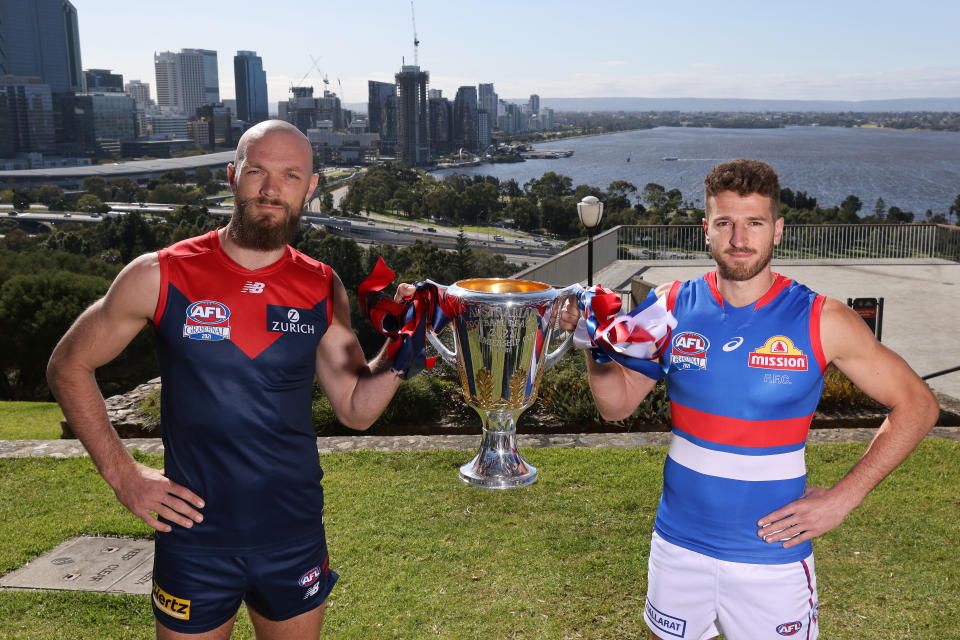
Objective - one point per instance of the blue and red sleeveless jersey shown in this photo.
(743, 385)
(237, 352)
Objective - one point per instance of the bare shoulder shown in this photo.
(843, 332)
(136, 289)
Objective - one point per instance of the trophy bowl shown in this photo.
(502, 330)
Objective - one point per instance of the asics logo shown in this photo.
(252, 287)
(733, 344)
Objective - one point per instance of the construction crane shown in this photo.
(416, 43)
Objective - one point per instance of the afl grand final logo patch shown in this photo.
(689, 351)
(778, 352)
(207, 320)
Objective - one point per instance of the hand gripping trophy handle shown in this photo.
(502, 330)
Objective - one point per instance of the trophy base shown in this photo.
(498, 464)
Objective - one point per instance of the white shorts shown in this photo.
(693, 596)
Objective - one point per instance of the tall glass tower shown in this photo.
(251, 86)
(40, 39)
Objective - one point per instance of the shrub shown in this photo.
(420, 400)
(840, 394)
(566, 395)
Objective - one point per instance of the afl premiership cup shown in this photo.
(501, 331)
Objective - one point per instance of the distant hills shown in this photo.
(735, 104)
(732, 104)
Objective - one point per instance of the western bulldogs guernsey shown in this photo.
(743, 384)
(237, 351)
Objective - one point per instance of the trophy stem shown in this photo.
(498, 464)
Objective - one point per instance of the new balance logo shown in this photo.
(253, 287)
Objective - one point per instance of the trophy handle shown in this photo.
(450, 357)
(554, 357)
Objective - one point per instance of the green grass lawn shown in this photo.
(422, 555)
(30, 420)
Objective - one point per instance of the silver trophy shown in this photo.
(502, 331)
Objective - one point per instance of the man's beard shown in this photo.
(263, 234)
(740, 271)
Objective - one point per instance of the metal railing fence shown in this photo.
(801, 242)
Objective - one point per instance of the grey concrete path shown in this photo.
(921, 300)
(73, 448)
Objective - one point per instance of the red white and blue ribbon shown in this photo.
(635, 340)
(407, 321)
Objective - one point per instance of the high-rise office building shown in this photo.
(186, 80)
(305, 112)
(465, 129)
(534, 104)
(440, 113)
(413, 141)
(487, 99)
(28, 104)
(251, 87)
(40, 39)
(102, 80)
(382, 114)
(140, 92)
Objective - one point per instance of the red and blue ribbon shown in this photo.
(635, 340)
(406, 322)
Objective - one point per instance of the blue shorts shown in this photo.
(198, 593)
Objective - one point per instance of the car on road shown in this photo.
(519, 241)
(431, 230)
(498, 238)
(371, 223)
(67, 215)
(13, 213)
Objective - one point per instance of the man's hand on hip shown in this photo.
(148, 491)
(812, 515)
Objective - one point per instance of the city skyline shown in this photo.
(840, 51)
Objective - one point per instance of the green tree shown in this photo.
(39, 308)
(880, 209)
(955, 209)
(655, 196)
(20, 200)
(464, 264)
(202, 175)
(47, 194)
(849, 208)
(91, 204)
(95, 185)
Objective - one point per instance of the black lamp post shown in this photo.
(590, 210)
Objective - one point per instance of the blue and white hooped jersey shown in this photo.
(743, 384)
(237, 351)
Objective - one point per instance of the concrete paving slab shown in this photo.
(921, 300)
(87, 563)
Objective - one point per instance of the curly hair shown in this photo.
(745, 177)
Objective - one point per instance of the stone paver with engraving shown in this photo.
(114, 565)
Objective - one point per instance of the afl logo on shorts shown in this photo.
(309, 577)
(207, 320)
(789, 628)
(689, 351)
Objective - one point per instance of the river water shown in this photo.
(914, 170)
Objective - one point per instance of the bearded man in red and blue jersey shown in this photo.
(243, 323)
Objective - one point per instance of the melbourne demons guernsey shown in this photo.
(743, 384)
(237, 352)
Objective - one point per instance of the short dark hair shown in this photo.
(745, 177)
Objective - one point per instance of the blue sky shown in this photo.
(839, 50)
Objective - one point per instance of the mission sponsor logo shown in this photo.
(778, 353)
(289, 320)
(207, 320)
(174, 607)
(689, 351)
